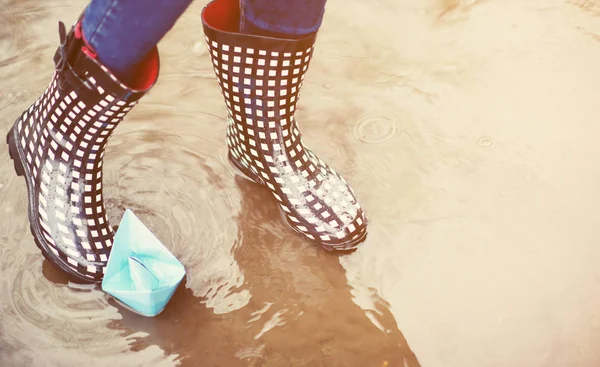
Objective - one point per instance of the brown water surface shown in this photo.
(469, 130)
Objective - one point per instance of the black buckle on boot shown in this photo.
(67, 59)
(60, 57)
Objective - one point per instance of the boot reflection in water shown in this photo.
(260, 51)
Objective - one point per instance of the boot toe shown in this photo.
(329, 212)
(333, 236)
(71, 244)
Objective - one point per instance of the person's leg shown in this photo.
(260, 73)
(291, 18)
(122, 32)
(103, 66)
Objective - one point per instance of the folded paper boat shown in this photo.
(141, 272)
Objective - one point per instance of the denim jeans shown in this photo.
(122, 32)
(290, 18)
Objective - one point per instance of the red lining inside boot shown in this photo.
(223, 15)
(146, 72)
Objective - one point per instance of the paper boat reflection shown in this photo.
(141, 272)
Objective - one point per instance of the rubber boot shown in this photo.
(58, 144)
(260, 79)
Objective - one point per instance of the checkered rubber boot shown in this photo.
(260, 78)
(58, 144)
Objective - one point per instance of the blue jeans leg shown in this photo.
(281, 18)
(122, 32)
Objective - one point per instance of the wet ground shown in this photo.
(469, 130)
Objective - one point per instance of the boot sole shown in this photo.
(17, 157)
(344, 247)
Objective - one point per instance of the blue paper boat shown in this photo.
(141, 272)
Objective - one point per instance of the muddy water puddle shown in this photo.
(468, 130)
